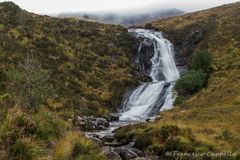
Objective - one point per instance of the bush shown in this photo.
(190, 83)
(15, 133)
(173, 145)
(166, 131)
(179, 100)
(201, 60)
(29, 81)
(143, 141)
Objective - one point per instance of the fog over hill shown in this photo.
(127, 18)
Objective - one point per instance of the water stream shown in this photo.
(148, 99)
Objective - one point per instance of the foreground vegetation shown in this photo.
(83, 67)
(208, 119)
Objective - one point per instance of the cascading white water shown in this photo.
(149, 98)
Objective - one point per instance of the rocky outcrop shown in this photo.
(110, 153)
(119, 151)
(90, 123)
(154, 119)
(183, 46)
(143, 52)
(122, 149)
(185, 40)
(113, 117)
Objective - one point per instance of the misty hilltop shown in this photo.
(127, 18)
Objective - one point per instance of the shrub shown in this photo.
(179, 100)
(173, 145)
(201, 60)
(28, 81)
(15, 133)
(124, 133)
(190, 83)
(143, 141)
(167, 131)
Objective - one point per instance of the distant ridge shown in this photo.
(124, 19)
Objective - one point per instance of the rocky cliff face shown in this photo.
(143, 51)
(185, 40)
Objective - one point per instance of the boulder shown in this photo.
(108, 138)
(113, 117)
(126, 153)
(154, 119)
(90, 123)
(137, 151)
(141, 158)
(102, 122)
(111, 155)
(96, 140)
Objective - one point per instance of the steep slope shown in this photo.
(90, 68)
(209, 120)
(216, 30)
(89, 61)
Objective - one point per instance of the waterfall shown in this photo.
(150, 98)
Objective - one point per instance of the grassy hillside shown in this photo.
(83, 66)
(88, 61)
(210, 119)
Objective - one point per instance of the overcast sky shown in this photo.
(57, 6)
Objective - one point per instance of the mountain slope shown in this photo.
(216, 30)
(86, 59)
(90, 69)
(209, 120)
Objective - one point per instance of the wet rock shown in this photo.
(108, 138)
(127, 153)
(113, 117)
(137, 151)
(97, 141)
(130, 145)
(110, 153)
(113, 144)
(102, 122)
(143, 52)
(125, 141)
(90, 123)
(154, 119)
(141, 158)
(185, 45)
(157, 117)
(101, 127)
(116, 143)
(153, 158)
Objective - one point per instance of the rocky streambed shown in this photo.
(102, 132)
